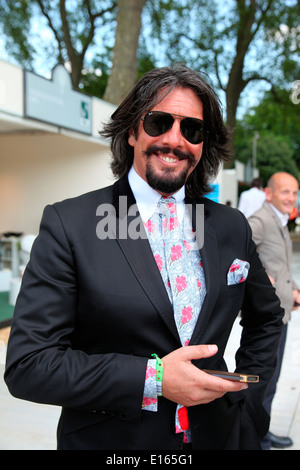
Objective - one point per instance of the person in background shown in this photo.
(292, 219)
(252, 199)
(273, 242)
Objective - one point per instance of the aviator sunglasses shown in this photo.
(156, 123)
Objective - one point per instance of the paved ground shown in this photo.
(29, 426)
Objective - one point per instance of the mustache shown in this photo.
(167, 150)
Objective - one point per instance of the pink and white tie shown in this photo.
(178, 259)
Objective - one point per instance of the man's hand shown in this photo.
(296, 298)
(187, 385)
(272, 280)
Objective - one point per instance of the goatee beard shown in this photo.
(169, 183)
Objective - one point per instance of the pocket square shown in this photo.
(238, 272)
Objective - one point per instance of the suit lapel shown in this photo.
(272, 214)
(139, 255)
(283, 231)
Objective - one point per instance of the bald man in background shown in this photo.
(271, 235)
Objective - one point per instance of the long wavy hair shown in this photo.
(143, 97)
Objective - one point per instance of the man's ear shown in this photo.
(268, 194)
(131, 138)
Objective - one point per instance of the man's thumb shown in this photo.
(201, 350)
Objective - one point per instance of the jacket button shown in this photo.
(116, 414)
(101, 412)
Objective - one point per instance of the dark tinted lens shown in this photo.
(192, 130)
(156, 123)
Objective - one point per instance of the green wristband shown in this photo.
(159, 374)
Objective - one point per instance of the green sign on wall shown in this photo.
(54, 101)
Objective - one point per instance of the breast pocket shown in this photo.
(234, 290)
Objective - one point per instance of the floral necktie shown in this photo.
(178, 259)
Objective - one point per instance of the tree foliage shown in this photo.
(276, 120)
(237, 43)
(72, 28)
(15, 18)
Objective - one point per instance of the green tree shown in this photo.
(237, 43)
(74, 27)
(278, 113)
(15, 22)
(94, 78)
(124, 69)
(276, 120)
(274, 153)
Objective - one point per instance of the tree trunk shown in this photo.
(234, 88)
(245, 35)
(236, 82)
(124, 70)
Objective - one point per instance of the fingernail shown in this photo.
(212, 348)
(244, 387)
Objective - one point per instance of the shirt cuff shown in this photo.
(150, 392)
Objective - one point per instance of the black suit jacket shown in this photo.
(91, 312)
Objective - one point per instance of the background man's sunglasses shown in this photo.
(157, 123)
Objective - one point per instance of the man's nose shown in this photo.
(173, 137)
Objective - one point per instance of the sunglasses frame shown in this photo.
(174, 116)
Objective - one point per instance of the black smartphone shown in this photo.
(233, 376)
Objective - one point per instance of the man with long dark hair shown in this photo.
(131, 292)
(149, 91)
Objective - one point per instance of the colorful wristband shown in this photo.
(159, 374)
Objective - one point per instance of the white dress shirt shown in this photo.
(284, 218)
(147, 198)
(251, 201)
